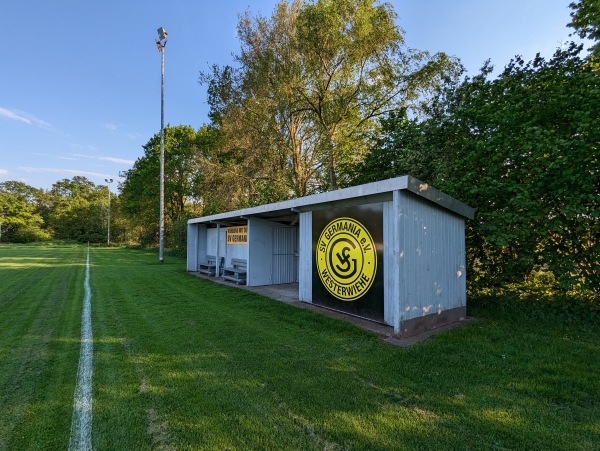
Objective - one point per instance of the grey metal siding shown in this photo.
(391, 274)
(211, 242)
(192, 247)
(260, 251)
(306, 257)
(432, 258)
(201, 247)
(212, 246)
(234, 250)
(271, 253)
(284, 260)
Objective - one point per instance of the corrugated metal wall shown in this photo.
(391, 270)
(201, 245)
(284, 255)
(431, 258)
(260, 250)
(233, 250)
(271, 253)
(306, 257)
(210, 243)
(192, 247)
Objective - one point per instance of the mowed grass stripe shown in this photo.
(194, 340)
(39, 343)
(191, 364)
(183, 363)
(176, 325)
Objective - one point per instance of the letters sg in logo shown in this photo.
(346, 259)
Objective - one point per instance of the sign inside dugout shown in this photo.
(348, 260)
(237, 235)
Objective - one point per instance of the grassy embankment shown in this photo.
(183, 363)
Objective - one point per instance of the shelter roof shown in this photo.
(287, 211)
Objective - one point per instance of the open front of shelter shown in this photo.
(390, 251)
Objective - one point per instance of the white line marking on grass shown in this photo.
(81, 423)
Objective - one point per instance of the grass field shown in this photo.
(183, 363)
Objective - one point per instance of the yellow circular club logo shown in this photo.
(346, 259)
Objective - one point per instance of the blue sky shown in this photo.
(80, 80)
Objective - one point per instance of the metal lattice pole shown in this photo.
(161, 43)
(162, 161)
(108, 182)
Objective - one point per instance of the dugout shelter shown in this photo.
(391, 251)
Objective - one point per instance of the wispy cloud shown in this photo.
(21, 116)
(101, 158)
(116, 160)
(3, 172)
(111, 127)
(119, 130)
(14, 116)
(64, 171)
(134, 135)
(84, 147)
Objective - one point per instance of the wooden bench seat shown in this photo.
(209, 266)
(236, 272)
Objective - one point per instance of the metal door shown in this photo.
(284, 255)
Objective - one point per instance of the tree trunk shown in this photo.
(332, 175)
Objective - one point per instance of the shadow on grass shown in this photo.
(182, 362)
(216, 366)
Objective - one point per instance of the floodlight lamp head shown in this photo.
(108, 180)
(162, 33)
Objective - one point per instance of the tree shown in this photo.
(216, 187)
(523, 150)
(310, 81)
(401, 146)
(21, 209)
(77, 210)
(586, 22)
(140, 190)
(265, 129)
(355, 69)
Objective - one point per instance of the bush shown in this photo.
(539, 299)
(30, 234)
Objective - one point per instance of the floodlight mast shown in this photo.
(161, 42)
(108, 182)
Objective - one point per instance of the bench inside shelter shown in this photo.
(209, 266)
(237, 271)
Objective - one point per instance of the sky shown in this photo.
(80, 80)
